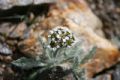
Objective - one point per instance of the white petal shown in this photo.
(64, 40)
(67, 38)
(59, 32)
(57, 46)
(53, 39)
(58, 36)
(49, 46)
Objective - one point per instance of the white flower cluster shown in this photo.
(60, 37)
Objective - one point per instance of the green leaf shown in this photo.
(27, 63)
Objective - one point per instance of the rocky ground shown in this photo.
(109, 12)
(20, 25)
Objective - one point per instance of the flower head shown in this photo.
(60, 37)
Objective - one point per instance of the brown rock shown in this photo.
(30, 46)
(18, 30)
(78, 12)
(5, 28)
(12, 30)
(6, 59)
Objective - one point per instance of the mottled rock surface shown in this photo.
(74, 14)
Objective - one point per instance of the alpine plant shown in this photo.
(61, 50)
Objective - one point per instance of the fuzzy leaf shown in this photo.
(27, 63)
(81, 75)
(47, 52)
(75, 52)
(74, 49)
(88, 56)
(60, 53)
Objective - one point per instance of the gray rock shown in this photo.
(6, 4)
(5, 50)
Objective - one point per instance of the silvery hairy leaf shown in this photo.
(26, 63)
